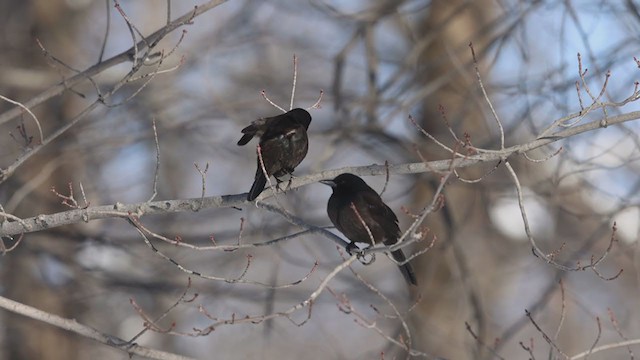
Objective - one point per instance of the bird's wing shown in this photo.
(273, 153)
(381, 214)
(256, 128)
(332, 211)
(282, 125)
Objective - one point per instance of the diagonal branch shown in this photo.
(111, 62)
(85, 331)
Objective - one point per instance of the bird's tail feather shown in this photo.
(406, 269)
(245, 139)
(257, 187)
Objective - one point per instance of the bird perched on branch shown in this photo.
(283, 145)
(360, 214)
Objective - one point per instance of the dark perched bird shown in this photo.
(349, 192)
(283, 145)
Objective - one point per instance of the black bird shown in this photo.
(349, 192)
(283, 145)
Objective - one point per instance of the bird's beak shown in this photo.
(329, 182)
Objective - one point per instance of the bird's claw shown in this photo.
(364, 261)
(360, 255)
(278, 182)
(289, 182)
(291, 177)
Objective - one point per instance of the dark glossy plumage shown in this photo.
(350, 190)
(283, 145)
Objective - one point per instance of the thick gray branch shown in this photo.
(43, 222)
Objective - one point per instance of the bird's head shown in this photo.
(346, 182)
(302, 116)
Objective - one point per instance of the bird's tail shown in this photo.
(245, 138)
(258, 185)
(248, 133)
(406, 269)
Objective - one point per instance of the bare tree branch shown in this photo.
(86, 331)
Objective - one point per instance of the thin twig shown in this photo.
(106, 31)
(35, 119)
(295, 80)
(203, 175)
(263, 93)
(157, 170)
(486, 97)
(544, 335)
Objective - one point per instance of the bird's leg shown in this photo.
(291, 177)
(289, 182)
(352, 246)
(278, 181)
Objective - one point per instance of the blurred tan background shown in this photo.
(377, 62)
